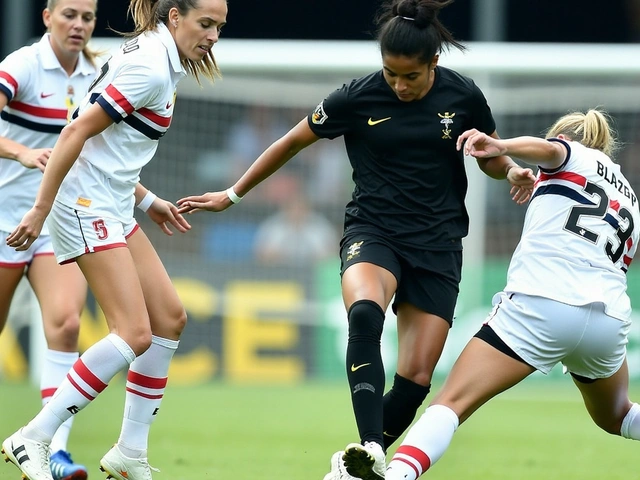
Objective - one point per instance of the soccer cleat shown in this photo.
(31, 457)
(338, 470)
(366, 462)
(63, 468)
(119, 467)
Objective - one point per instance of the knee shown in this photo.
(366, 321)
(140, 342)
(63, 329)
(178, 321)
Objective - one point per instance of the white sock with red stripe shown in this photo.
(146, 382)
(54, 370)
(424, 444)
(85, 381)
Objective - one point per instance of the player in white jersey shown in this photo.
(88, 193)
(565, 300)
(40, 86)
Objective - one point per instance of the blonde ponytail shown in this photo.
(592, 129)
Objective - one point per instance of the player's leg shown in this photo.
(421, 339)
(480, 373)
(12, 266)
(61, 291)
(599, 369)
(608, 404)
(10, 276)
(113, 279)
(148, 374)
(424, 303)
(367, 289)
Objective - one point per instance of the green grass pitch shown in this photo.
(538, 430)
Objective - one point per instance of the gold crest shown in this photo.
(447, 120)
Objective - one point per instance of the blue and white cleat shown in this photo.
(63, 468)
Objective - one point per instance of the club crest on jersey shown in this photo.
(354, 250)
(447, 121)
(319, 116)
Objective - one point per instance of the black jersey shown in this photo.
(410, 182)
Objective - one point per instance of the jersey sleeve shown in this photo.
(133, 87)
(482, 117)
(15, 74)
(330, 119)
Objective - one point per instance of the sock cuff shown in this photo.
(403, 384)
(165, 342)
(369, 303)
(628, 420)
(447, 412)
(123, 347)
(61, 358)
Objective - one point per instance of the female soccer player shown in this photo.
(406, 220)
(582, 223)
(39, 88)
(88, 194)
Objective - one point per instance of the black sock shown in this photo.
(400, 406)
(364, 368)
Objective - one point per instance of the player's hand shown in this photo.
(522, 181)
(28, 230)
(212, 202)
(480, 145)
(165, 213)
(34, 158)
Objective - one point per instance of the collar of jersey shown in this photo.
(50, 61)
(167, 40)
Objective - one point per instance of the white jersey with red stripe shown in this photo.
(580, 234)
(136, 88)
(41, 99)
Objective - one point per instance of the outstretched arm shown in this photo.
(269, 162)
(533, 150)
(500, 166)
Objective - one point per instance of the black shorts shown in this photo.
(428, 279)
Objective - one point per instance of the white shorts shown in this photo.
(10, 258)
(75, 233)
(544, 332)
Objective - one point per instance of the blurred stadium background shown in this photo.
(277, 316)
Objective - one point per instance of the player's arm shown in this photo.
(497, 164)
(533, 150)
(495, 167)
(272, 159)
(29, 157)
(72, 138)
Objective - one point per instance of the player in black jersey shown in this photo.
(405, 222)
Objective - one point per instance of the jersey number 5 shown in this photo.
(600, 210)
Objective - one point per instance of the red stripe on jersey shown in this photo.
(629, 243)
(147, 382)
(627, 260)
(155, 118)
(47, 392)
(568, 176)
(12, 81)
(42, 112)
(119, 99)
(89, 378)
(144, 395)
(417, 454)
(614, 205)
